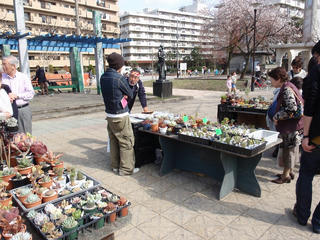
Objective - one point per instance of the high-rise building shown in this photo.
(294, 8)
(175, 30)
(59, 17)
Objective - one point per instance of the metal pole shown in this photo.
(254, 50)
(77, 17)
(177, 50)
(21, 28)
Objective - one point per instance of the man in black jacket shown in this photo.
(116, 93)
(310, 158)
(42, 80)
(137, 88)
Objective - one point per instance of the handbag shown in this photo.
(299, 113)
(272, 110)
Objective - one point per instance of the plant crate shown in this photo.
(26, 210)
(192, 139)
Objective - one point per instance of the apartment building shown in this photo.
(294, 8)
(175, 30)
(59, 17)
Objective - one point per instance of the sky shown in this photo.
(139, 5)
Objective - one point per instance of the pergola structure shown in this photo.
(74, 44)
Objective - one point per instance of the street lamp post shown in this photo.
(177, 50)
(254, 50)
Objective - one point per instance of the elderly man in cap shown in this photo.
(137, 88)
(116, 93)
(22, 92)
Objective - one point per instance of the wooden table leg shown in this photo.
(247, 181)
(229, 181)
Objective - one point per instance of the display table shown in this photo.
(249, 116)
(231, 169)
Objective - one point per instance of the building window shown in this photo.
(43, 4)
(9, 11)
(31, 57)
(66, 5)
(27, 16)
(67, 19)
(43, 18)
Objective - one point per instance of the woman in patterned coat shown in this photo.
(288, 121)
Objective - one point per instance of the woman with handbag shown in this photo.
(288, 121)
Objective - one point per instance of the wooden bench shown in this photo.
(61, 83)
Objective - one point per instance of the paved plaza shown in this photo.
(180, 205)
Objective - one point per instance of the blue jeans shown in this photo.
(310, 163)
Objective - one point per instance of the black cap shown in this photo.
(316, 48)
(115, 61)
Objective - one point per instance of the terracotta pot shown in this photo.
(155, 127)
(8, 179)
(31, 205)
(24, 171)
(124, 212)
(6, 235)
(112, 217)
(60, 165)
(39, 159)
(13, 161)
(49, 198)
(6, 202)
(45, 184)
(22, 198)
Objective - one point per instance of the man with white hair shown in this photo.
(22, 91)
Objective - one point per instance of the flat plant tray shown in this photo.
(88, 222)
(239, 150)
(24, 210)
(192, 139)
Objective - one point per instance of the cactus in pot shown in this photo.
(32, 198)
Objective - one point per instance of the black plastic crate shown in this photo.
(26, 210)
(239, 150)
(192, 139)
(88, 222)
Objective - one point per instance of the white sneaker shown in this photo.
(135, 170)
(116, 170)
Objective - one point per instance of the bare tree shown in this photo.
(230, 27)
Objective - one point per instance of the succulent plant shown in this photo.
(70, 222)
(41, 218)
(50, 193)
(77, 214)
(48, 227)
(32, 214)
(8, 171)
(23, 191)
(12, 122)
(80, 176)
(32, 198)
(24, 162)
(21, 236)
(38, 148)
(46, 178)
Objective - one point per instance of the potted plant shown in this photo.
(57, 164)
(20, 180)
(45, 166)
(60, 178)
(5, 197)
(77, 215)
(22, 193)
(46, 181)
(223, 99)
(124, 210)
(22, 236)
(7, 216)
(32, 200)
(90, 206)
(49, 195)
(100, 223)
(24, 165)
(70, 225)
(11, 229)
(80, 177)
(112, 213)
(6, 175)
(41, 218)
(50, 157)
(38, 149)
(12, 125)
(48, 227)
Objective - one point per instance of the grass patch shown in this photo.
(195, 84)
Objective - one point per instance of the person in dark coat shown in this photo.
(42, 80)
(138, 89)
(310, 158)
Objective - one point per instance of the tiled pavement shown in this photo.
(179, 205)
